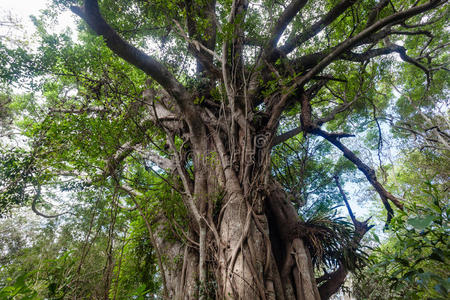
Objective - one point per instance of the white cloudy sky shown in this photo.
(22, 9)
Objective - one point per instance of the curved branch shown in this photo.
(160, 161)
(36, 211)
(402, 52)
(90, 12)
(333, 282)
(310, 126)
(365, 169)
(309, 61)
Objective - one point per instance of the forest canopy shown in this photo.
(226, 149)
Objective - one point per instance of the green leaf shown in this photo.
(420, 223)
(441, 289)
(437, 255)
(377, 239)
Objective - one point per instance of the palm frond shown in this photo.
(330, 240)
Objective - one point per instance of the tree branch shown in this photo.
(286, 17)
(160, 161)
(365, 169)
(202, 45)
(308, 61)
(91, 14)
(314, 29)
(376, 12)
(351, 42)
(37, 212)
(285, 136)
(93, 109)
(344, 197)
(335, 280)
(196, 47)
(310, 126)
(334, 112)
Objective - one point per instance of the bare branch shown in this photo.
(344, 197)
(80, 111)
(365, 169)
(310, 126)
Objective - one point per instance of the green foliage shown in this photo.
(5, 112)
(414, 261)
(16, 173)
(14, 63)
(137, 272)
(329, 238)
(67, 257)
(140, 293)
(19, 288)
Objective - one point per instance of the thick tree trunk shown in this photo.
(249, 251)
(259, 258)
(245, 245)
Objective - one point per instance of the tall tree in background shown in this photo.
(230, 81)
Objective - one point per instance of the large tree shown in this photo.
(225, 83)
